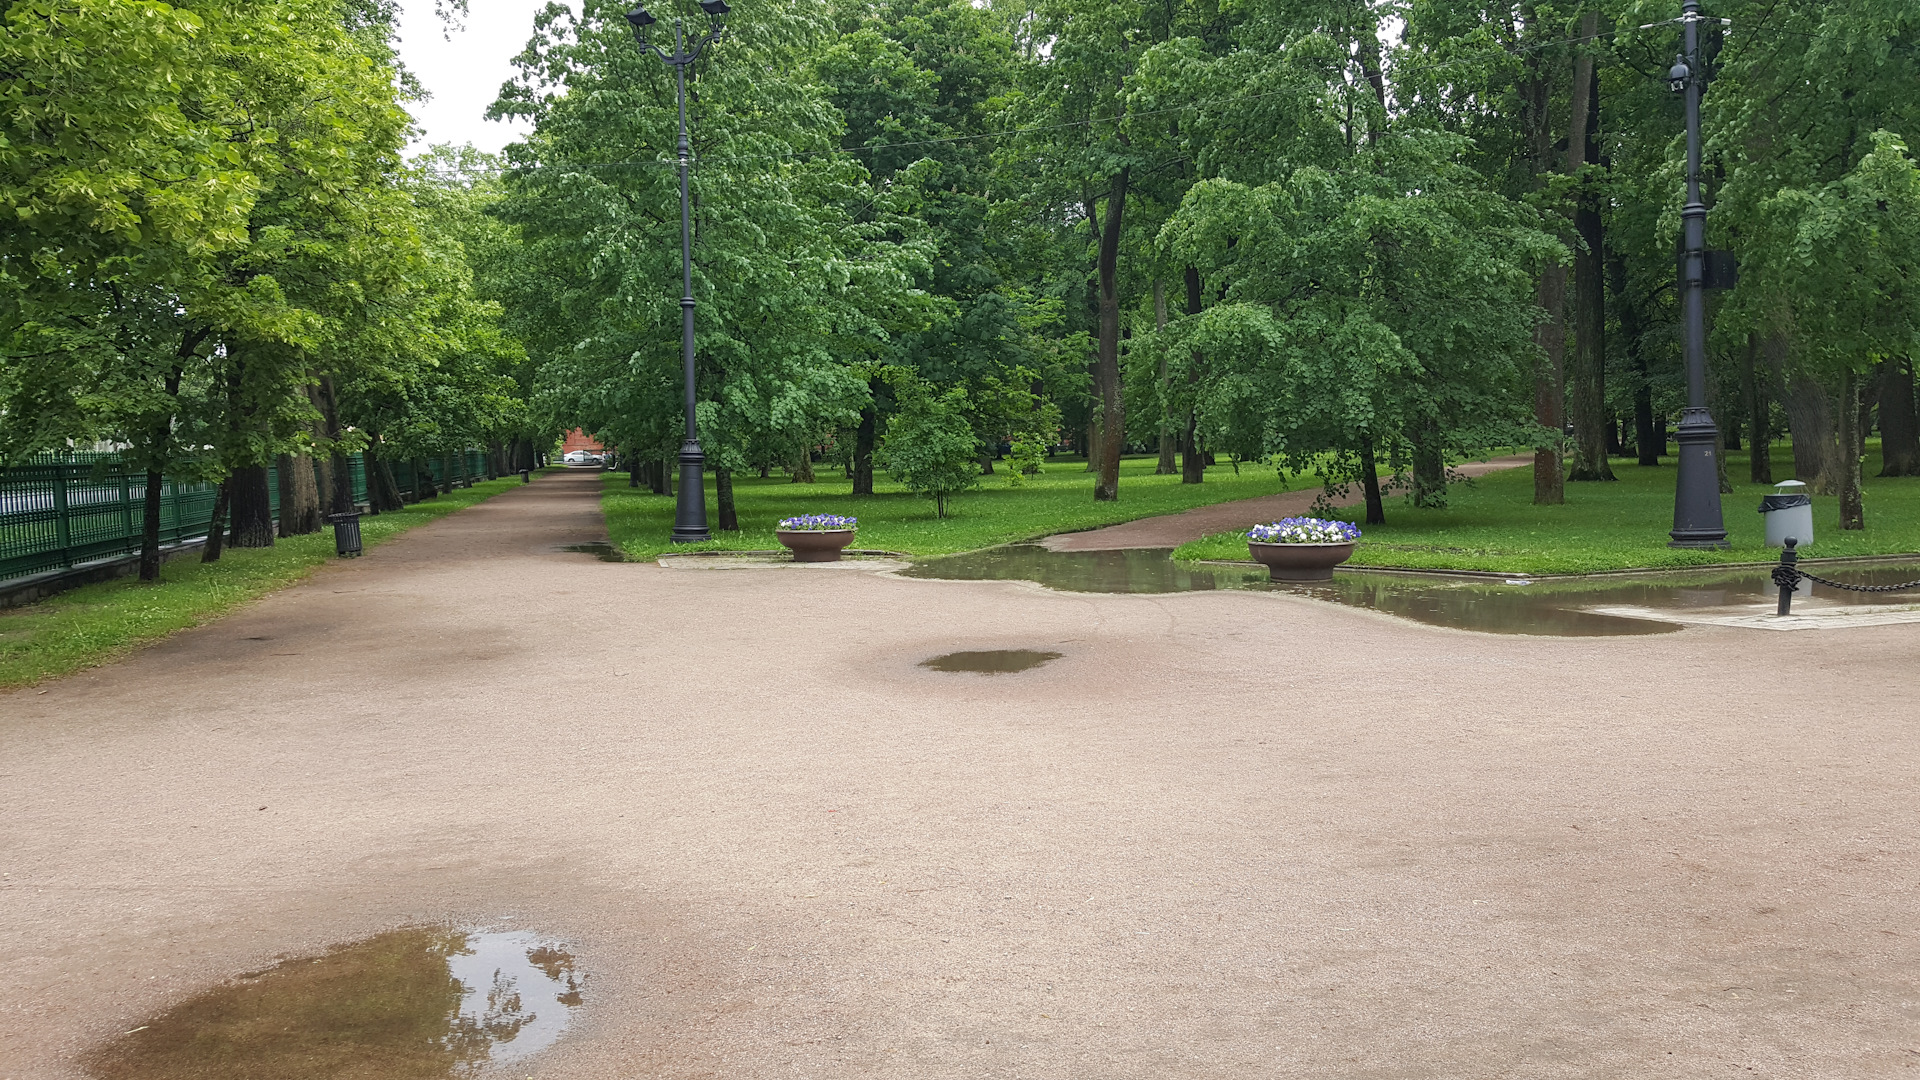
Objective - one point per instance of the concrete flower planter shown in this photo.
(1300, 562)
(815, 545)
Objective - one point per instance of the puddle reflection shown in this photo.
(991, 661)
(424, 1002)
(1553, 608)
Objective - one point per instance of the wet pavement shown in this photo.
(601, 550)
(410, 1004)
(1596, 606)
(1226, 835)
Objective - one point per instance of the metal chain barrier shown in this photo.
(1788, 575)
(1843, 585)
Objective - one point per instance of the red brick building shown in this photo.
(580, 440)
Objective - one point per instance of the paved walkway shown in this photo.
(1172, 530)
(1226, 835)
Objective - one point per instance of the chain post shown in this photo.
(1787, 576)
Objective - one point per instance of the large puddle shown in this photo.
(424, 1002)
(1550, 607)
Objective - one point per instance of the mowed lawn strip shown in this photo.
(1060, 499)
(1491, 524)
(95, 623)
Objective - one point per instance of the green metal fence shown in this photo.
(61, 510)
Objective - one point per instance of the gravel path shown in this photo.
(1172, 530)
(1227, 834)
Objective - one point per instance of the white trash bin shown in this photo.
(1788, 512)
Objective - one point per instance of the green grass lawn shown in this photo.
(1492, 524)
(95, 623)
(1060, 499)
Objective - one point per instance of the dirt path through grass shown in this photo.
(1172, 530)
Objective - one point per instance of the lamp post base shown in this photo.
(690, 511)
(1697, 522)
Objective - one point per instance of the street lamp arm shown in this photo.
(700, 46)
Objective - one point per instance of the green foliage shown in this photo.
(930, 447)
(1493, 525)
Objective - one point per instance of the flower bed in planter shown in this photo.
(1302, 548)
(816, 537)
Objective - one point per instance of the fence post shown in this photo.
(62, 530)
(126, 504)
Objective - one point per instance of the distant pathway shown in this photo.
(1172, 530)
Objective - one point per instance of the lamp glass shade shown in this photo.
(715, 8)
(640, 18)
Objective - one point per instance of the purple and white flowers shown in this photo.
(818, 523)
(1304, 530)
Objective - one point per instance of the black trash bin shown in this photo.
(526, 476)
(346, 534)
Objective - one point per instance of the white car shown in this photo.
(580, 457)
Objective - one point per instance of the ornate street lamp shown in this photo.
(1697, 522)
(690, 513)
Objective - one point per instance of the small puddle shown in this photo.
(601, 550)
(991, 662)
(1553, 608)
(424, 1002)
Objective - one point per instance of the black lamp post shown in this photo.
(1696, 499)
(690, 512)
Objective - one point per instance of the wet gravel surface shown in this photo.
(1223, 834)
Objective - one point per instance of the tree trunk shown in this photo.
(803, 468)
(252, 507)
(863, 440)
(1106, 369)
(1853, 513)
(299, 500)
(1193, 468)
(1549, 482)
(158, 439)
(1810, 421)
(1370, 483)
(1753, 389)
(1899, 427)
(216, 525)
(383, 491)
(150, 528)
(723, 493)
(339, 498)
(1165, 466)
(633, 471)
(986, 460)
(1587, 376)
(657, 472)
(1868, 389)
(1429, 465)
(1093, 436)
(1549, 385)
(423, 481)
(322, 482)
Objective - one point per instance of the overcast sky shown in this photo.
(464, 74)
